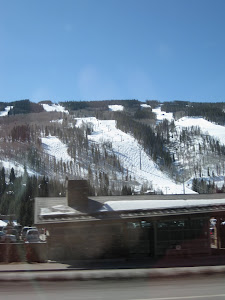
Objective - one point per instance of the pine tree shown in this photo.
(26, 205)
(12, 176)
(2, 181)
(43, 187)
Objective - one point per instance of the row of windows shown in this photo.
(164, 228)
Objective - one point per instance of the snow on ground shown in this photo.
(132, 156)
(18, 168)
(161, 115)
(8, 165)
(56, 148)
(5, 112)
(216, 131)
(145, 105)
(217, 180)
(115, 107)
(54, 107)
(60, 121)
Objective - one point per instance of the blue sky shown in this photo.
(108, 49)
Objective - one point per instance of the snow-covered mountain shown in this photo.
(122, 159)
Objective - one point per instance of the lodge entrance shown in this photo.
(217, 232)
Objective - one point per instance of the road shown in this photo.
(194, 288)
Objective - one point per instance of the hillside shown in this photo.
(120, 146)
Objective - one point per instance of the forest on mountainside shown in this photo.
(152, 141)
(17, 194)
(22, 143)
(180, 153)
(21, 107)
(184, 154)
(98, 105)
(208, 186)
(213, 112)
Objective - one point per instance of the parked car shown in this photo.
(10, 238)
(11, 231)
(7, 238)
(2, 236)
(24, 231)
(32, 236)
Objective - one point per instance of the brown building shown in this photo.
(82, 227)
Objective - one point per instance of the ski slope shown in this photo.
(140, 167)
(214, 130)
(132, 156)
(54, 107)
(54, 147)
(6, 111)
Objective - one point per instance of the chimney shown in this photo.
(77, 194)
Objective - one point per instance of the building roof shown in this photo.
(55, 210)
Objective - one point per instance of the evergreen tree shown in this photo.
(43, 187)
(2, 181)
(12, 176)
(26, 210)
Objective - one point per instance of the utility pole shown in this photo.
(183, 186)
(140, 158)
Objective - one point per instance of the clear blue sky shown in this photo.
(112, 49)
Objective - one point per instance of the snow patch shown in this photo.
(157, 204)
(54, 107)
(6, 111)
(217, 131)
(60, 121)
(57, 210)
(56, 148)
(134, 205)
(161, 115)
(116, 107)
(145, 105)
(18, 168)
